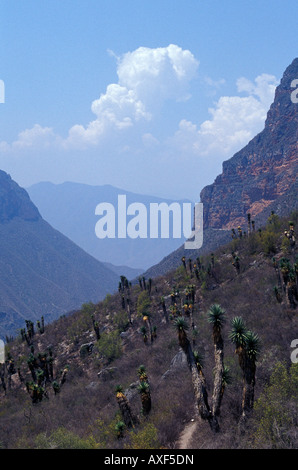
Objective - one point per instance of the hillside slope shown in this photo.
(101, 346)
(42, 273)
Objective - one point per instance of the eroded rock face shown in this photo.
(262, 171)
(14, 201)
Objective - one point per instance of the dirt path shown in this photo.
(186, 435)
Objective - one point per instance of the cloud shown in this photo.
(37, 137)
(131, 132)
(147, 77)
(234, 121)
(159, 74)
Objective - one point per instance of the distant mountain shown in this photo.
(70, 208)
(260, 178)
(41, 271)
(126, 271)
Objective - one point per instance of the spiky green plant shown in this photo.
(238, 333)
(216, 315)
(144, 390)
(142, 373)
(180, 324)
(252, 345)
(119, 428)
(143, 387)
(181, 327)
(118, 389)
(226, 377)
(143, 331)
(199, 358)
(56, 387)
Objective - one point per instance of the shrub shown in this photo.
(269, 242)
(63, 439)
(145, 438)
(109, 346)
(275, 413)
(143, 304)
(121, 321)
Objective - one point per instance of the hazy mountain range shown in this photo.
(70, 208)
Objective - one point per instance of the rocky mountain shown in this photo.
(42, 273)
(260, 178)
(264, 170)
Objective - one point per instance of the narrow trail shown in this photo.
(186, 435)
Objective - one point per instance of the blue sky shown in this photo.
(151, 96)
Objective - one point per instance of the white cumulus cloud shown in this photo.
(234, 121)
(147, 77)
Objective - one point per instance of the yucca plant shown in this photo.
(238, 333)
(124, 406)
(142, 373)
(64, 373)
(164, 309)
(252, 345)
(56, 387)
(181, 327)
(198, 379)
(40, 376)
(119, 428)
(248, 349)
(199, 358)
(216, 317)
(143, 331)
(277, 294)
(226, 377)
(144, 390)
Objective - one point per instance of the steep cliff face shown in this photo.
(263, 171)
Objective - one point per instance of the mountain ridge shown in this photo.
(42, 272)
